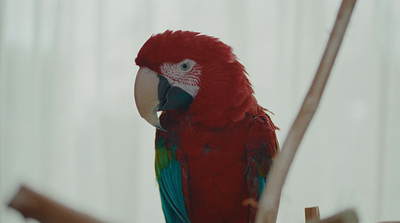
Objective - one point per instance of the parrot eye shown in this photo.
(185, 66)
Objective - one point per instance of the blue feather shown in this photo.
(170, 184)
(261, 185)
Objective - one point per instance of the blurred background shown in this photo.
(70, 128)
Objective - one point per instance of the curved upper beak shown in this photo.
(146, 96)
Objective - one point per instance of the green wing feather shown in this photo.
(169, 178)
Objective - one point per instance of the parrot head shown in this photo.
(199, 74)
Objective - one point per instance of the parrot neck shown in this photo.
(224, 98)
(221, 115)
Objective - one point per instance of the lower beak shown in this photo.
(146, 96)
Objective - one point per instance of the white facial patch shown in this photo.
(185, 75)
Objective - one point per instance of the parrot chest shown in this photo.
(216, 167)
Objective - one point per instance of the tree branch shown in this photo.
(269, 203)
(33, 205)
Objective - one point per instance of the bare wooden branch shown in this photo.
(36, 206)
(269, 203)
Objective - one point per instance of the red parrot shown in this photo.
(214, 143)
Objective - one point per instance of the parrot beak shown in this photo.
(146, 96)
(154, 93)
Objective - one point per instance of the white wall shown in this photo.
(70, 129)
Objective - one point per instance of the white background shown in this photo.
(70, 128)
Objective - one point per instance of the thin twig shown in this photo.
(269, 203)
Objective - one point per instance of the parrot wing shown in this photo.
(169, 176)
(261, 148)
